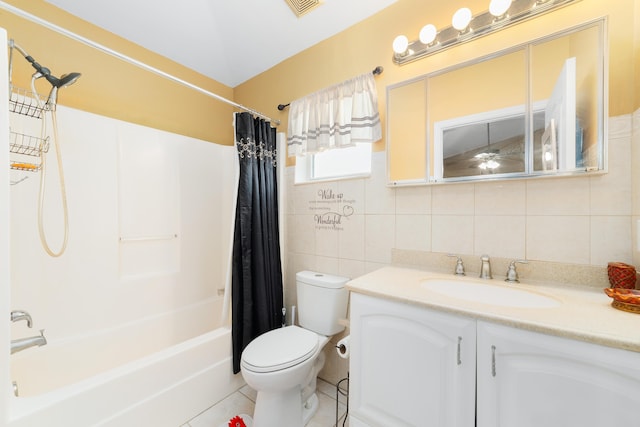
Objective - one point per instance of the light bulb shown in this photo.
(400, 44)
(461, 18)
(428, 34)
(499, 7)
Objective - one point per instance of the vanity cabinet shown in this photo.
(410, 366)
(529, 379)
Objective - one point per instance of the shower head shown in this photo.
(68, 79)
(64, 80)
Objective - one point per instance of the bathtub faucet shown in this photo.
(17, 315)
(25, 343)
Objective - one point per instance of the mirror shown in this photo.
(532, 110)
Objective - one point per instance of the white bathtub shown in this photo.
(160, 371)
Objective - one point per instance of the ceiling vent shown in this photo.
(301, 7)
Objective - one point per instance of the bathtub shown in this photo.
(159, 371)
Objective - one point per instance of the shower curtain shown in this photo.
(256, 283)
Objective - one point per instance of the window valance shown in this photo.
(336, 117)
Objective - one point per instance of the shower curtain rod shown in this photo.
(376, 71)
(23, 14)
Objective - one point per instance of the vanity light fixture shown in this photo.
(465, 27)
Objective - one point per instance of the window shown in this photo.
(334, 164)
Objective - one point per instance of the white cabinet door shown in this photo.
(527, 379)
(410, 366)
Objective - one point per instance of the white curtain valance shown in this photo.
(335, 117)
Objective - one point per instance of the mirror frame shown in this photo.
(429, 178)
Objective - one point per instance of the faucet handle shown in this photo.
(512, 273)
(459, 271)
(17, 315)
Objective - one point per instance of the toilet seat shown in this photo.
(279, 349)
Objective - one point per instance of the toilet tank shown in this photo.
(322, 302)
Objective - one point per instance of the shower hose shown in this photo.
(41, 192)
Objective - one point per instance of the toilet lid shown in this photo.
(279, 349)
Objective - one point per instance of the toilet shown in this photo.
(282, 364)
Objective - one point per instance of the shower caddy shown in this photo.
(28, 148)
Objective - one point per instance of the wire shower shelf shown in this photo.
(26, 103)
(26, 145)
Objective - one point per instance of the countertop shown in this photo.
(582, 313)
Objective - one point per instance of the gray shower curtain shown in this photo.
(256, 284)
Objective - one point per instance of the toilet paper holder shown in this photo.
(343, 347)
(342, 388)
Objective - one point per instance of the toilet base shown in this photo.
(310, 408)
(278, 409)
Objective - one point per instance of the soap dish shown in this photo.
(624, 299)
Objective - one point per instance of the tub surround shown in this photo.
(149, 242)
(583, 313)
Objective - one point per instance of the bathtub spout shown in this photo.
(17, 315)
(25, 343)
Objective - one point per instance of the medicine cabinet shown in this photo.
(532, 110)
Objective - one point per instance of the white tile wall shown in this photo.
(413, 200)
(351, 240)
(502, 236)
(604, 248)
(452, 233)
(584, 220)
(379, 237)
(413, 232)
(453, 199)
(558, 196)
(560, 238)
(501, 198)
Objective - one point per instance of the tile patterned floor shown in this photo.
(243, 401)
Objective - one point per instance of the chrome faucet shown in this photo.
(512, 273)
(485, 269)
(459, 271)
(25, 343)
(18, 315)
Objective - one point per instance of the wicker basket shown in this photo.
(621, 275)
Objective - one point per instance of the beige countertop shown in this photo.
(582, 313)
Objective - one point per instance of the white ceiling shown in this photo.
(230, 41)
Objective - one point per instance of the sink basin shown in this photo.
(487, 293)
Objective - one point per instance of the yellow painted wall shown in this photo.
(408, 158)
(368, 44)
(112, 87)
(115, 89)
